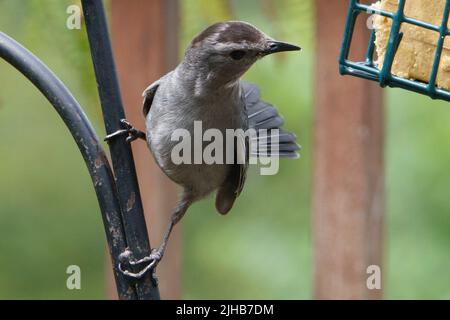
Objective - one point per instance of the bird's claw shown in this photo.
(128, 129)
(154, 258)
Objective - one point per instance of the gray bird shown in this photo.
(206, 87)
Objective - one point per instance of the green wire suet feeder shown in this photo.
(368, 68)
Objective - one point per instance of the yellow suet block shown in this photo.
(415, 55)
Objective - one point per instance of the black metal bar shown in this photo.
(94, 155)
(121, 155)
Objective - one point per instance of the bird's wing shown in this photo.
(260, 115)
(234, 183)
(263, 115)
(149, 94)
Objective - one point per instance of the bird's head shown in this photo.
(226, 50)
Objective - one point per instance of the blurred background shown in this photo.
(49, 216)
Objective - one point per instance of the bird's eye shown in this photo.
(237, 54)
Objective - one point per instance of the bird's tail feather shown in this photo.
(271, 139)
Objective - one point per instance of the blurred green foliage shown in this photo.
(49, 217)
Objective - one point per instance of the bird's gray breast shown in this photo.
(175, 108)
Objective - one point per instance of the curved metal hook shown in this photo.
(93, 153)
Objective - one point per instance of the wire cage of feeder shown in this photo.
(383, 73)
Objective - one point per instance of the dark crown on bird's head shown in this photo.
(238, 33)
(230, 32)
(226, 50)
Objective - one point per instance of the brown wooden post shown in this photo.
(348, 158)
(145, 43)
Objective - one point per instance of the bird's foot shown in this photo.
(131, 132)
(153, 260)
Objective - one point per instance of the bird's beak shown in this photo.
(278, 46)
